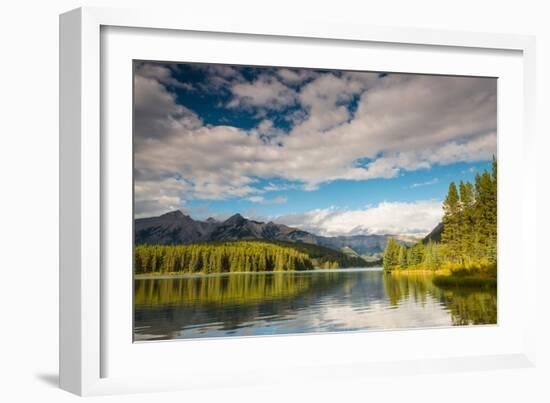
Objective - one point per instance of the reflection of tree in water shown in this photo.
(472, 307)
(232, 300)
(399, 287)
(468, 306)
(229, 289)
(215, 305)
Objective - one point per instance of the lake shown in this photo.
(250, 304)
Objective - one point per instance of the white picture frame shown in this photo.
(95, 357)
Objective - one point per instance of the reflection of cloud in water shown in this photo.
(252, 305)
(378, 316)
(383, 316)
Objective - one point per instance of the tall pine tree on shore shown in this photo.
(403, 258)
(451, 224)
(391, 255)
(469, 237)
(466, 221)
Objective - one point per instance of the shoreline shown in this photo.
(419, 272)
(445, 278)
(161, 276)
(485, 279)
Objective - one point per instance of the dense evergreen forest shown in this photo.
(238, 256)
(469, 238)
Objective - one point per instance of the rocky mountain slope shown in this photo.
(175, 228)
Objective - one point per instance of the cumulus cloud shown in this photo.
(270, 187)
(343, 125)
(160, 73)
(157, 115)
(413, 218)
(263, 200)
(266, 91)
(295, 76)
(154, 197)
(219, 77)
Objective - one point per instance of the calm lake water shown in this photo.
(297, 302)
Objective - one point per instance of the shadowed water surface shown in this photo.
(297, 302)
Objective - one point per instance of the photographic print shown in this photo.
(285, 200)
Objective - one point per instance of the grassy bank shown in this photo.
(481, 277)
(454, 276)
(418, 272)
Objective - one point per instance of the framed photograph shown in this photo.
(235, 201)
(274, 200)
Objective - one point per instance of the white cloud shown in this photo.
(274, 187)
(162, 74)
(401, 122)
(427, 183)
(157, 115)
(263, 200)
(295, 76)
(325, 99)
(266, 130)
(266, 91)
(219, 77)
(154, 197)
(398, 218)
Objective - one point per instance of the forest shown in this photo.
(238, 256)
(469, 237)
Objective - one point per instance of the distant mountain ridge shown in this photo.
(435, 234)
(175, 228)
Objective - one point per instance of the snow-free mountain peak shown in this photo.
(177, 228)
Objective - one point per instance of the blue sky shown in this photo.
(426, 184)
(332, 152)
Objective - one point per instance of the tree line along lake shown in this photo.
(260, 287)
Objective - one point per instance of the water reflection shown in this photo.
(282, 303)
(468, 306)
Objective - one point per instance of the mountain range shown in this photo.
(435, 235)
(176, 228)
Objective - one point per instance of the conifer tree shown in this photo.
(469, 237)
(467, 220)
(403, 263)
(451, 224)
(391, 255)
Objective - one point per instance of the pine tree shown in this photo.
(469, 235)
(467, 220)
(417, 254)
(451, 223)
(391, 255)
(492, 247)
(403, 263)
(486, 211)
